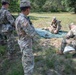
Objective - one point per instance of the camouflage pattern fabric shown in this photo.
(55, 26)
(26, 32)
(71, 33)
(10, 43)
(24, 3)
(8, 20)
(70, 39)
(27, 56)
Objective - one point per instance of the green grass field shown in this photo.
(41, 20)
(47, 62)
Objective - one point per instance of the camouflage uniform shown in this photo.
(26, 33)
(55, 26)
(70, 40)
(8, 21)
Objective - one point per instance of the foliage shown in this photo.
(71, 4)
(53, 6)
(14, 6)
(37, 5)
(46, 5)
(2, 50)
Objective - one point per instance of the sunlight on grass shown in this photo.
(44, 19)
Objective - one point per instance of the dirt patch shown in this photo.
(55, 42)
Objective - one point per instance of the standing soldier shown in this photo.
(26, 33)
(6, 22)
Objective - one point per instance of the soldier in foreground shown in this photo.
(6, 22)
(69, 40)
(26, 33)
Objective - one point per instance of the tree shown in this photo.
(53, 6)
(70, 3)
(14, 6)
(37, 4)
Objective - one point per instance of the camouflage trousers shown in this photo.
(10, 43)
(64, 44)
(27, 56)
(8, 38)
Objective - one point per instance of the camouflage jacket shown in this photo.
(8, 19)
(71, 37)
(24, 28)
(56, 25)
(71, 33)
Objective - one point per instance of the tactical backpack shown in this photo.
(2, 16)
(5, 27)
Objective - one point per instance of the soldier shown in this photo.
(70, 39)
(26, 33)
(6, 26)
(55, 26)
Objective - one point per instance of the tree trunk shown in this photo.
(75, 10)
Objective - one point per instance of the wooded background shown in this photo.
(46, 5)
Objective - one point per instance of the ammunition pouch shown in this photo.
(7, 28)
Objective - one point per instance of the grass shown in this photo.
(2, 50)
(41, 20)
(47, 62)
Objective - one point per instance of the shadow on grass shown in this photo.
(32, 17)
(36, 18)
(47, 62)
